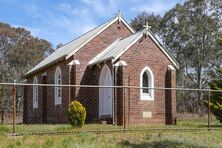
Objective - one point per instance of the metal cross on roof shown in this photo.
(119, 13)
(147, 26)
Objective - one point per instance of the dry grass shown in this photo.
(121, 139)
(154, 138)
(24, 129)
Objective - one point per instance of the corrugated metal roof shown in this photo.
(74, 45)
(112, 52)
(116, 48)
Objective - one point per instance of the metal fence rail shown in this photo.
(103, 86)
(125, 110)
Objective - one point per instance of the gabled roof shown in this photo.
(72, 47)
(116, 49)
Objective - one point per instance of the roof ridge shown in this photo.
(88, 32)
(70, 48)
(110, 22)
(125, 43)
(105, 50)
(133, 33)
(136, 38)
(108, 50)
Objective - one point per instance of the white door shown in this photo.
(105, 94)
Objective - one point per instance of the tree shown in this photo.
(140, 20)
(219, 41)
(216, 97)
(19, 52)
(190, 31)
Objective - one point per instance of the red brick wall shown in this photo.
(170, 109)
(145, 53)
(30, 111)
(81, 74)
(55, 113)
(90, 75)
(119, 94)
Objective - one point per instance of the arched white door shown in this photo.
(105, 94)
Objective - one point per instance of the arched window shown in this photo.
(58, 89)
(35, 93)
(146, 80)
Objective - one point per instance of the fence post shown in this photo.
(128, 103)
(14, 106)
(3, 99)
(209, 112)
(124, 103)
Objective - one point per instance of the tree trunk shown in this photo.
(2, 122)
(3, 99)
(199, 86)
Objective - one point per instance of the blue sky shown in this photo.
(60, 21)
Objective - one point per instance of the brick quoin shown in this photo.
(143, 53)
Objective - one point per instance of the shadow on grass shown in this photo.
(215, 126)
(157, 144)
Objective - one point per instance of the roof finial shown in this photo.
(119, 15)
(147, 26)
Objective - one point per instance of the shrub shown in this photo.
(76, 114)
(216, 97)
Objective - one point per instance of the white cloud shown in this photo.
(96, 4)
(63, 27)
(147, 8)
(102, 8)
(88, 27)
(67, 8)
(31, 9)
(141, 8)
(34, 31)
(64, 21)
(158, 7)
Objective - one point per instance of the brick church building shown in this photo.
(112, 54)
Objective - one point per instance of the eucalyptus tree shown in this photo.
(216, 97)
(190, 32)
(19, 51)
(141, 19)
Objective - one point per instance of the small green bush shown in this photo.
(76, 114)
(216, 97)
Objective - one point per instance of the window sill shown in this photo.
(58, 103)
(146, 97)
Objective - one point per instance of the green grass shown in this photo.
(66, 128)
(154, 138)
(61, 128)
(4, 130)
(118, 139)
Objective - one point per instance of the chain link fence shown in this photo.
(42, 108)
